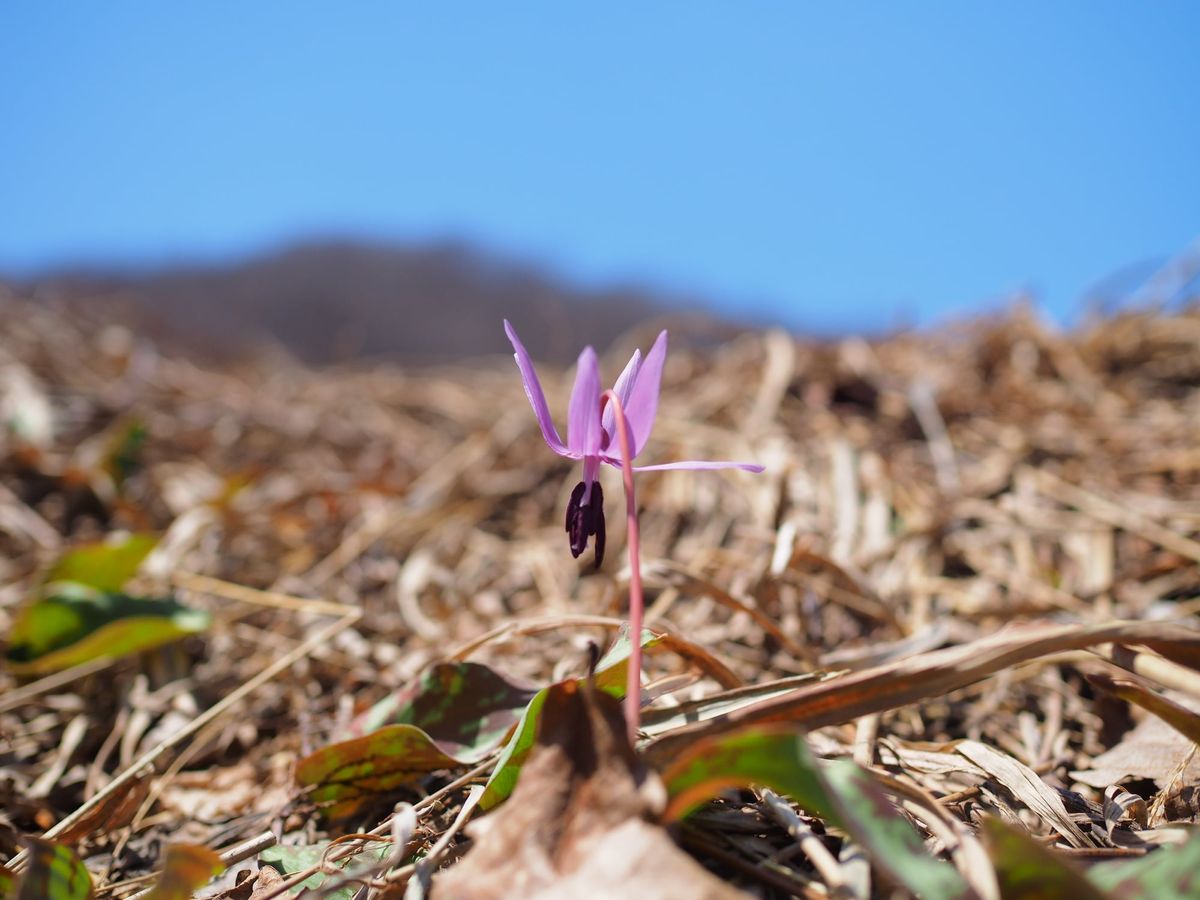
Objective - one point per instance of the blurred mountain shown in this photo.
(334, 301)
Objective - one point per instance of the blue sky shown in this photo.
(849, 165)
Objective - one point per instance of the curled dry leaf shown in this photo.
(1121, 806)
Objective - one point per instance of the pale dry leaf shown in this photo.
(578, 825)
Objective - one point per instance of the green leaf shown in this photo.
(8, 883)
(103, 566)
(79, 612)
(54, 873)
(292, 860)
(188, 867)
(347, 774)
(1173, 871)
(609, 677)
(454, 715)
(76, 625)
(777, 758)
(123, 456)
(843, 793)
(1025, 870)
(461, 705)
(894, 845)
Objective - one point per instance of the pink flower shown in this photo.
(590, 431)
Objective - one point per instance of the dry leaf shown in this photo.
(577, 825)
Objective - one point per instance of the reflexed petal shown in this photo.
(533, 390)
(622, 388)
(583, 413)
(643, 397)
(692, 464)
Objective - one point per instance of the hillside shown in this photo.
(328, 302)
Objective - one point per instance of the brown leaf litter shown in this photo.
(348, 527)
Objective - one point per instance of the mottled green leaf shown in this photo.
(54, 873)
(75, 625)
(103, 566)
(79, 611)
(1173, 871)
(610, 677)
(461, 705)
(188, 867)
(777, 758)
(293, 860)
(1025, 870)
(454, 715)
(348, 773)
(843, 793)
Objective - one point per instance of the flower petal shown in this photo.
(533, 390)
(622, 388)
(643, 396)
(583, 413)
(692, 464)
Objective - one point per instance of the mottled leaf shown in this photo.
(54, 873)
(449, 726)
(455, 715)
(105, 565)
(76, 624)
(846, 795)
(773, 757)
(1025, 870)
(1173, 871)
(461, 705)
(292, 860)
(188, 867)
(610, 677)
(346, 774)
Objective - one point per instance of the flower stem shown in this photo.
(633, 691)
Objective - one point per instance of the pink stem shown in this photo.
(633, 690)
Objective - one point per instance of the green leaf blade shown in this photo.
(841, 792)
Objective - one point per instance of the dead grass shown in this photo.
(351, 527)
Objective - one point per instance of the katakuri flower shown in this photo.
(591, 429)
